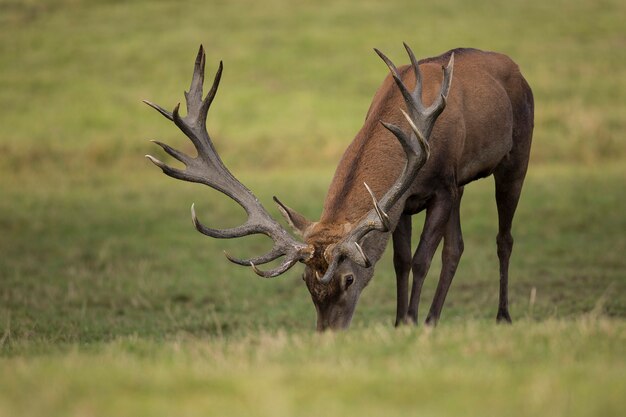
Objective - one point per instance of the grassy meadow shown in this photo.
(112, 305)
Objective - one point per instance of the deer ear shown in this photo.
(297, 221)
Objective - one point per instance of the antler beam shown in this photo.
(421, 120)
(208, 168)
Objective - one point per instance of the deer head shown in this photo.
(338, 258)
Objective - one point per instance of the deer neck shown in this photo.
(374, 157)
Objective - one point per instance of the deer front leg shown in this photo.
(450, 256)
(402, 265)
(437, 215)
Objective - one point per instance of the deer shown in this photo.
(424, 138)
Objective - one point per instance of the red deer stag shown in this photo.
(410, 155)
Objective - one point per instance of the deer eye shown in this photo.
(348, 280)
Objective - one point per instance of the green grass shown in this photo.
(111, 304)
(558, 368)
(108, 292)
(94, 258)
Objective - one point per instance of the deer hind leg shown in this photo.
(509, 178)
(450, 256)
(437, 215)
(402, 265)
(508, 189)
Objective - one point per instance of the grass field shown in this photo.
(111, 304)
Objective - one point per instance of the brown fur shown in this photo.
(460, 140)
(486, 126)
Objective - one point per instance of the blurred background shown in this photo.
(298, 76)
(98, 254)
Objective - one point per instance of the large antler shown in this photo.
(207, 168)
(421, 120)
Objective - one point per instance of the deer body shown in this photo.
(465, 144)
(486, 129)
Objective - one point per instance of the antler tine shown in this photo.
(194, 95)
(208, 168)
(259, 260)
(384, 218)
(185, 159)
(425, 147)
(167, 170)
(165, 113)
(435, 109)
(394, 73)
(240, 231)
(365, 262)
(417, 92)
(353, 251)
(447, 76)
(390, 64)
(330, 271)
(206, 103)
(281, 269)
